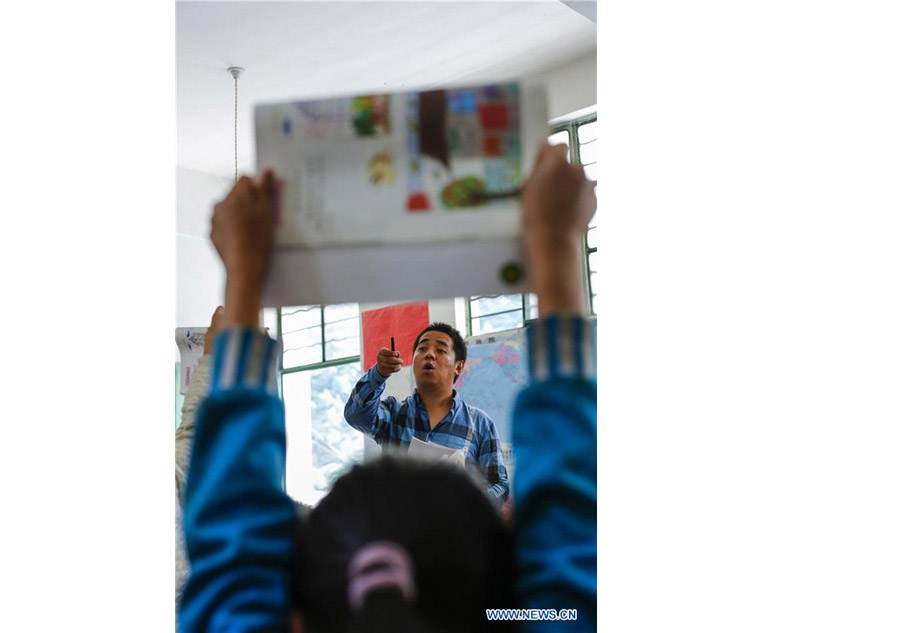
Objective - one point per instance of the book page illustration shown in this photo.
(397, 168)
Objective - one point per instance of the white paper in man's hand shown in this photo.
(435, 452)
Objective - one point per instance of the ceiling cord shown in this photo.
(235, 71)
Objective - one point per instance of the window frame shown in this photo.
(322, 364)
(522, 308)
(281, 371)
(575, 156)
(571, 128)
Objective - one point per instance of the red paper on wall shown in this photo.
(403, 322)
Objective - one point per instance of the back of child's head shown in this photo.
(400, 545)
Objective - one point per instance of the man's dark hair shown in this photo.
(460, 548)
(459, 343)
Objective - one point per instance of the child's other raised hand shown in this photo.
(557, 204)
(243, 226)
(557, 200)
(243, 232)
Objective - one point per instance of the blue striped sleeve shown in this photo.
(245, 359)
(490, 457)
(563, 345)
(365, 411)
(555, 485)
(238, 521)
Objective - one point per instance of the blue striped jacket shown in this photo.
(239, 523)
(393, 423)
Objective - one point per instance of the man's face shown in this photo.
(434, 360)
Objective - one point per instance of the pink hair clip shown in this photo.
(379, 565)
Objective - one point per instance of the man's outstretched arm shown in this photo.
(365, 410)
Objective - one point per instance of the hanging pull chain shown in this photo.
(236, 71)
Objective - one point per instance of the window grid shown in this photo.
(322, 341)
(471, 320)
(575, 154)
(317, 438)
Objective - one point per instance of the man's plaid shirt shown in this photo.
(394, 423)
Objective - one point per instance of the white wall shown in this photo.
(200, 275)
(570, 87)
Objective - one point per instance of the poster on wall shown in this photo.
(190, 342)
(401, 322)
(496, 370)
(415, 192)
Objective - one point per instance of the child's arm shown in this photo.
(555, 438)
(365, 410)
(555, 417)
(238, 521)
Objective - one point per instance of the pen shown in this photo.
(392, 345)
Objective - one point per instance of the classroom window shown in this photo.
(317, 334)
(580, 136)
(321, 446)
(320, 361)
(494, 313)
(586, 154)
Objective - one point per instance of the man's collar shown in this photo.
(454, 397)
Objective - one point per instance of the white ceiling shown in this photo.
(302, 50)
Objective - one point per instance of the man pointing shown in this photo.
(434, 413)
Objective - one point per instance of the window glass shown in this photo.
(499, 303)
(341, 331)
(587, 132)
(497, 323)
(301, 334)
(321, 445)
(531, 311)
(588, 153)
(587, 149)
(592, 237)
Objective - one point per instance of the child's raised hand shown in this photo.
(557, 204)
(243, 226)
(557, 200)
(243, 232)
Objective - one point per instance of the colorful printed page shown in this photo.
(401, 168)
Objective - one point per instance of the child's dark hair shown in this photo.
(432, 515)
